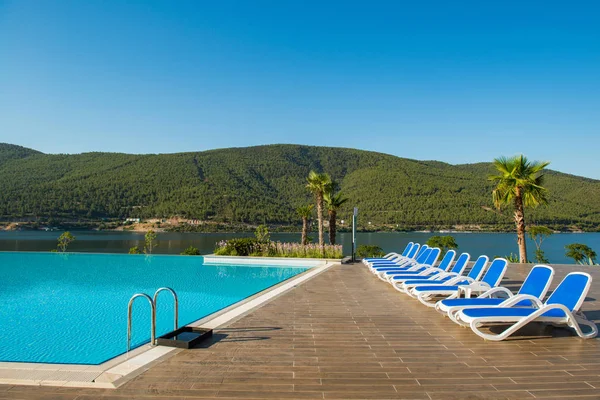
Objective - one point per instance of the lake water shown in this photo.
(492, 244)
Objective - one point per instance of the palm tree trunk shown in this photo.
(332, 227)
(304, 231)
(520, 221)
(320, 217)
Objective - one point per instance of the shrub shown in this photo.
(191, 251)
(445, 243)
(238, 247)
(369, 250)
(262, 234)
(581, 253)
(251, 247)
(64, 241)
(135, 250)
(149, 241)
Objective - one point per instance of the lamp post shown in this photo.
(354, 217)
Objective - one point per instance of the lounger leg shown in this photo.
(425, 299)
(581, 320)
(454, 315)
(398, 286)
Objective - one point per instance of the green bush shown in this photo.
(190, 251)
(251, 247)
(369, 250)
(238, 247)
(134, 250)
(445, 243)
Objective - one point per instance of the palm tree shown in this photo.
(520, 182)
(305, 212)
(318, 183)
(333, 202)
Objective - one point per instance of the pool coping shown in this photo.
(115, 372)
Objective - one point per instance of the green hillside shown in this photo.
(266, 184)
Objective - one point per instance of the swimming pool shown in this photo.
(72, 308)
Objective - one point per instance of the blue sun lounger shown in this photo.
(389, 256)
(410, 251)
(561, 308)
(403, 284)
(424, 270)
(420, 259)
(414, 254)
(431, 256)
(428, 294)
(536, 284)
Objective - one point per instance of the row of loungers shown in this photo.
(475, 299)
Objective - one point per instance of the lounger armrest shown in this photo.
(519, 298)
(431, 270)
(459, 278)
(493, 292)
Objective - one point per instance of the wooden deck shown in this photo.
(347, 335)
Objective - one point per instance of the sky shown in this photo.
(455, 81)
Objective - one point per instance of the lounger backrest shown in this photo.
(407, 249)
(461, 264)
(423, 248)
(447, 260)
(422, 257)
(538, 281)
(477, 268)
(413, 250)
(433, 256)
(495, 272)
(571, 291)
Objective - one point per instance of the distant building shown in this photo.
(133, 220)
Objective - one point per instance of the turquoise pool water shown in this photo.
(72, 308)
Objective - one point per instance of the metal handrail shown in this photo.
(175, 305)
(152, 319)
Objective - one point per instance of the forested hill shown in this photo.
(266, 184)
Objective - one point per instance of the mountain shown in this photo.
(266, 184)
(11, 152)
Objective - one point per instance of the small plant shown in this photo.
(149, 242)
(538, 234)
(512, 258)
(64, 241)
(581, 253)
(134, 250)
(191, 251)
(445, 243)
(369, 250)
(262, 234)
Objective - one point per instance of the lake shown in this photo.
(491, 244)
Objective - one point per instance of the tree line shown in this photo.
(266, 184)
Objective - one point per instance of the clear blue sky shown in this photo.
(457, 81)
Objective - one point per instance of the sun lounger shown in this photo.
(428, 294)
(425, 270)
(456, 271)
(561, 308)
(536, 284)
(415, 254)
(421, 258)
(431, 256)
(389, 256)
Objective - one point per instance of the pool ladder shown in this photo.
(152, 302)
